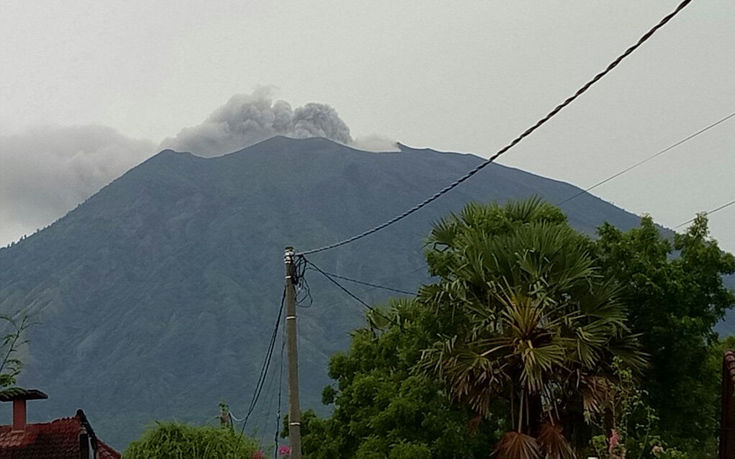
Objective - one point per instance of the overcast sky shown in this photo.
(89, 89)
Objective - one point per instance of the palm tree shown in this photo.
(538, 325)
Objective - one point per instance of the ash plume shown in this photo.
(47, 170)
(247, 119)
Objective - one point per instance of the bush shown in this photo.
(173, 440)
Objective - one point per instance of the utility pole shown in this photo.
(294, 409)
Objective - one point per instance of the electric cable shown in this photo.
(369, 284)
(265, 366)
(235, 418)
(639, 163)
(352, 295)
(709, 212)
(513, 143)
(303, 290)
(329, 277)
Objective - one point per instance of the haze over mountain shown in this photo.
(49, 169)
(155, 298)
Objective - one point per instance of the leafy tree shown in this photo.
(675, 296)
(170, 440)
(633, 423)
(537, 331)
(382, 409)
(540, 324)
(10, 366)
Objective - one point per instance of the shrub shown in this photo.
(174, 440)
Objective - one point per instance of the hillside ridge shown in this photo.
(155, 297)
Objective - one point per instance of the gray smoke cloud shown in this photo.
(47, 170)
(247, 119)
(375, 143)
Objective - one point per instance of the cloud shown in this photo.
(48, 170)
(375, 143)
(247, 119)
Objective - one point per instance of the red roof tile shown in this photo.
(105, 451)
(51, 440)
(57, 439)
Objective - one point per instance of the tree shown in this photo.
(676, 296)
(10, 366)
(537, 331)
(173, 440)
(632, 421)
(382, 408)
(539, 323)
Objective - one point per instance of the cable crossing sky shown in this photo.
(709, 212)
(264, 367)
(513, 143)
(369, 284)
(639, 163)
(294, 263)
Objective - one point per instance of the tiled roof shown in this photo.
(729, 364)
(105, 451)
(17, 393)
(51, 440)
(57, 439)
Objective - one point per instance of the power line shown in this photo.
(513, 143)
(670, 147)
(344, 289)
(233, 417)
(265, 366)
(303, 290)
(710, 212)
(369, 284)
(352, 295)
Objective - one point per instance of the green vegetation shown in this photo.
(157, 295)
(170, 440)
(10, 366)
(537, 325)
(630, 426)
(675, 296)
(537, 341)
(381, 408)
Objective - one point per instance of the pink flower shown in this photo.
(614, 441)
(258, 455)
(284, 450)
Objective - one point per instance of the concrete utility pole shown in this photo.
(294, 409)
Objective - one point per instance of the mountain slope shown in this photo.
(155, 298)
